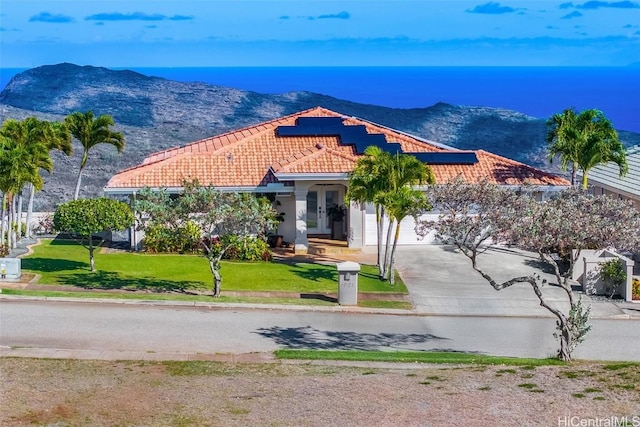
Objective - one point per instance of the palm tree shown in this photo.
(600, 145)
(375, 178)
(91, 131)
(55, 136)
(400, 200)
(20, 163)
(367, 184)
(584, 140)
(563, 140)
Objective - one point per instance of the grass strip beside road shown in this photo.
(314, 302)
(412, 357)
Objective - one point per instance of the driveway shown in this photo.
(441, 281)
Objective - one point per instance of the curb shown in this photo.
(299, 308)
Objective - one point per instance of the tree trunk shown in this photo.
(387, 243)
(574, 172)
(92, 262)
(75, 195)
(564, 353)
(585, 180)
(380, 226)
(217, 278)
(32, 191)
(19, 215)
(391, 275)
(3, 212)
(563, 326)
(12, 216)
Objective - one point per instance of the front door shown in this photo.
(319, 199)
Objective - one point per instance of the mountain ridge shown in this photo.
(155, 114)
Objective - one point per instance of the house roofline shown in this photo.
(343, 176)
(269, 188)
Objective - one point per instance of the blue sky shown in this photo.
(189, 33)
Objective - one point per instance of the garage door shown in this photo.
(408, 234)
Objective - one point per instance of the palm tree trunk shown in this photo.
(574, 173)
(3, 212)
(12, 218)
(75, 195)
(19, 219)
(585, 180)
(390, 272)
(387, 243)
(32, 191)
(380, 226)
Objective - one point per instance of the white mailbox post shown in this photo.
(348, 282)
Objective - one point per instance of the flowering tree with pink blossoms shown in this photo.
(475, 216)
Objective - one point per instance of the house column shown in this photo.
(301, 242)
(355, 237)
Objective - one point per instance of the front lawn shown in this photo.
(61, 262)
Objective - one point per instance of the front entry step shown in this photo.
(319, 246)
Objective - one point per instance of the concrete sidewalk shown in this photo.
(441, 281)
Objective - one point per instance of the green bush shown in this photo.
(614, 273)
(247, 249)
(164, 239)
(4, 251)
(635, 289)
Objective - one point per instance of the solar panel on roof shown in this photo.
(358, 136)
(447, 158)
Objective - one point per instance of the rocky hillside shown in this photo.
(156, 113)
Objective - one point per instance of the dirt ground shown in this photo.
(60, 393)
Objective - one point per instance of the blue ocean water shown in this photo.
(536, 91)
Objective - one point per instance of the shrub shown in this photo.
(164, 239)
(635, 289)
(44, 226)
(614, 273)
(245, 248)
(4, 251)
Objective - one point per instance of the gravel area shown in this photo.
(37, 392)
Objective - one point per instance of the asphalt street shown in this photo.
(132, 330)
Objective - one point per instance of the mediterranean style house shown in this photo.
(302, 162)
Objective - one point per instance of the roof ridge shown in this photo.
(264, 125)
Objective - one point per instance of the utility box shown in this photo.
(348, 282)
(10, 268)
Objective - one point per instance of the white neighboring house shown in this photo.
(606, 179)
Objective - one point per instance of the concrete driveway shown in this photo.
(441, 281)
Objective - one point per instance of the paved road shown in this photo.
(39, 328)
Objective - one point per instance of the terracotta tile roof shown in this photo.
(498, 170)
(249, 157)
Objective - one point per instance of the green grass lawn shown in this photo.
(413, 356)
(61, 262)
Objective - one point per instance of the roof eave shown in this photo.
(341, 176)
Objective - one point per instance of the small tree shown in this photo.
(614, 273)
(223, 218)
(476, 215)
(85, 218)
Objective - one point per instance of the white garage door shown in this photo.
(407, 236)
